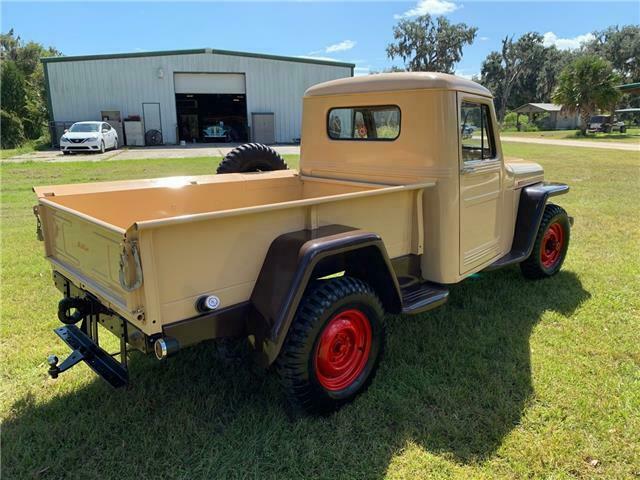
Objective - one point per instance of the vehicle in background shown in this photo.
(89, 137)
(606, 124)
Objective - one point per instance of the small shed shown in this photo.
(633, 88)
(558, 119)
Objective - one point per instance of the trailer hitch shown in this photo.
(87, 350)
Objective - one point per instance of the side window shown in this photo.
(364, 123)
(476, 132)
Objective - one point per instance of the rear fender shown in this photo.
(296, 259)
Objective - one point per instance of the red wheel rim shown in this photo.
(551, 247)
(343, 349)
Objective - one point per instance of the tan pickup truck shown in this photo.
(402, 189)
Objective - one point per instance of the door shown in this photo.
(480, 184)
(152, 121)
(263, 128)
(107, 135)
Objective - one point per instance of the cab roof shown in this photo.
(389, 82)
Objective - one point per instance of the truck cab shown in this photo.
(403, 190)
(469, 217)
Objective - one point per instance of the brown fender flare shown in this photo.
(533, 200)
(295, 259)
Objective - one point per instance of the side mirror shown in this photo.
(104, 130)
(66, 130)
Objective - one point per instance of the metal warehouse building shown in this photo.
(199, 96)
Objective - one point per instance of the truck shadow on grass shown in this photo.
(454, 382)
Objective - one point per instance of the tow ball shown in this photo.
(70, 361)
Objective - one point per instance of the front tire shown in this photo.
(102, 149)
(551, 244)
(334, 346)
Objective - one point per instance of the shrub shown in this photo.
(11, 130)
(509, 124)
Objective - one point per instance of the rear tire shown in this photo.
(550, 247)
(251, 157)
(334, 346)
(65, 152)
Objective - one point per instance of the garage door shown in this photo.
(209, 83)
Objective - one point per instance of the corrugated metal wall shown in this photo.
(81, 89)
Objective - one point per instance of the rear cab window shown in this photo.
(476, 132)
(377, 123)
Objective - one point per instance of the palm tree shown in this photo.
(585, 85)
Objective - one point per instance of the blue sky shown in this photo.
(354, 31)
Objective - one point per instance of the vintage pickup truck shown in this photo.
(393, 201)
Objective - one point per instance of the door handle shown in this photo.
(466, 169)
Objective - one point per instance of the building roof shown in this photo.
(79, 58)
(538, 107)
(385, 82)
(630, 88)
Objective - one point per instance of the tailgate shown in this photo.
(85, 250)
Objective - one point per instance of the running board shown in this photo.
(418, 298)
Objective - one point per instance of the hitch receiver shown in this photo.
(85, 349)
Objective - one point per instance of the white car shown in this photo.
(89, 137)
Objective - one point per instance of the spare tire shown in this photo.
(252, 157)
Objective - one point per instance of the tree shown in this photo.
(516, 64)
(24, 92)
(428, 46)
(620, 46)
(554, 62)
(13, 95)
(586, 85)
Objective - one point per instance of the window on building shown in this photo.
(476, 132)
(364, 123)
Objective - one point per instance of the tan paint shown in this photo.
(210, 234)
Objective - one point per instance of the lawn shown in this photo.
(510, 379)
(43, 143)
(631, 136)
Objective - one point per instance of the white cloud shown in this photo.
(340, 47)
(434, 7)
(483, 39)
(362, 70)
(468, 76)
(551, 38)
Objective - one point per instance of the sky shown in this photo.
(352, 31)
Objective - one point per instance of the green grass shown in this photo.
(510, 379)
(631, 136)
(43, 143)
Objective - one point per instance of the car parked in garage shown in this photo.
(89, 137)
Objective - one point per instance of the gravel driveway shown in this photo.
(169, 151)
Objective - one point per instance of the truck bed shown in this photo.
(205, 235)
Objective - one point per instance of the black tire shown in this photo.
(623, 129)
(299, 363)
(543, 264)
(65, 152)
(102, 149)
(115, 144)
(251, 157)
